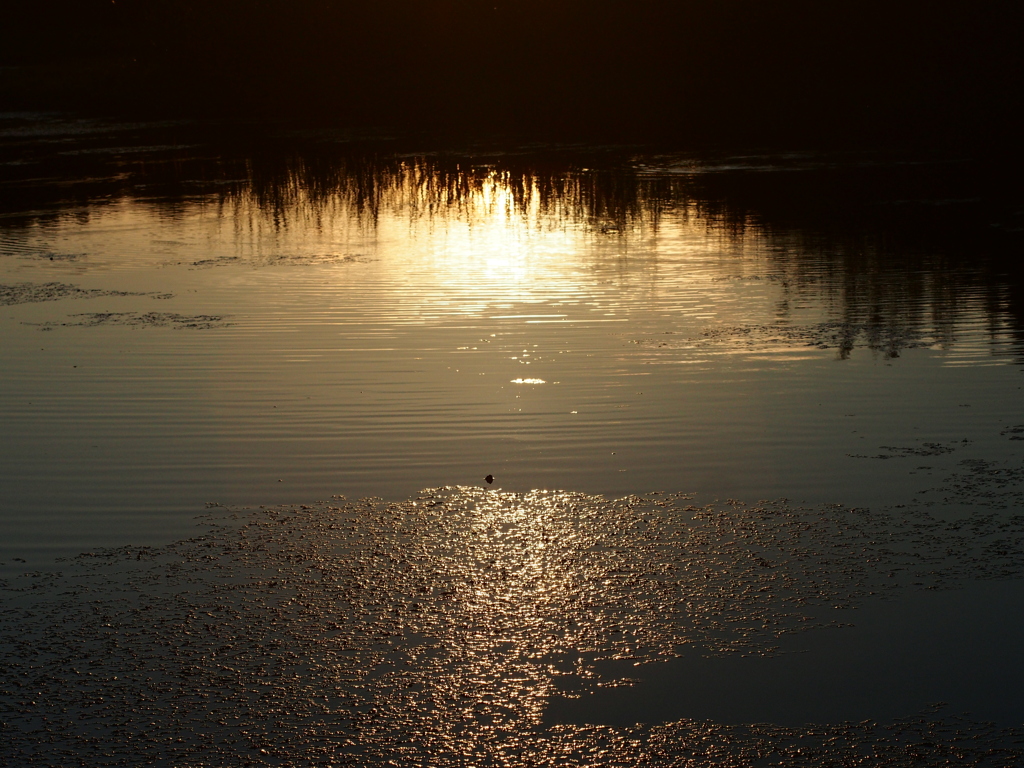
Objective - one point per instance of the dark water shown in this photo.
(754, 422)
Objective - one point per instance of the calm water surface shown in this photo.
(299, 318)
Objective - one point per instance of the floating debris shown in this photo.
(54, 256)
(925, 449)
(844, 337)
(278, 260)
(1015, 433)
(139, 320)
(305, 259)
(29, 293)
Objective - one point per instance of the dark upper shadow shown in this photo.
(872, 72)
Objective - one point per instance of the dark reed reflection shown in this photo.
(884, 239)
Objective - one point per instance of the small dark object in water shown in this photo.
(489, 479)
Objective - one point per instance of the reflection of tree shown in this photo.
(889, 244)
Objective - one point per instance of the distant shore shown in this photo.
(728, 72)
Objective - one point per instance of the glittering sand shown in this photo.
(435, 631)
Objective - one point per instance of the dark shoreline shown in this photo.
(705, 74)
(125, 89)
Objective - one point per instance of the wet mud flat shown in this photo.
(462, 626)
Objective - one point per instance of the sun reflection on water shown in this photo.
(426, 237)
